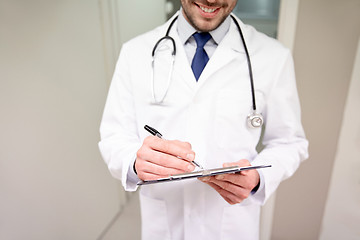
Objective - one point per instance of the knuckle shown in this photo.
(177, 142)
(140, 153)
(147, 140)
(165, 146)
(184, 147)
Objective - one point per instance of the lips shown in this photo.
(207, 11)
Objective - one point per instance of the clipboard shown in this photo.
(202, 173)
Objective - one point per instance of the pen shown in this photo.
(156, 133)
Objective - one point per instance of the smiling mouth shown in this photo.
(206, 9)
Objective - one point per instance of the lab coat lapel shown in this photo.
(182, 67)
(229, 48)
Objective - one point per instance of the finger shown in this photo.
(151, 168)
(253, 174)
(220, 191)
(240, 163)
(248, 181)
(166, 160)
(232, 178)
(171, 161)
(227, 196)
(171, 147)
(145, 176)
(232, 191)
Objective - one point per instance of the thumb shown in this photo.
(240, 163)
(231, 164)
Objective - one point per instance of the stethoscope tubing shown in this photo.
(253, 117)
(249, 64)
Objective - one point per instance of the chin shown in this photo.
(206, 26)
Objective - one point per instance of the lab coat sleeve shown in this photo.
(119, 136)
(284, 138)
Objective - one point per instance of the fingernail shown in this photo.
(190, 156)
(191, 167)
(220, 177)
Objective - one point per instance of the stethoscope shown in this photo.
(254, 119)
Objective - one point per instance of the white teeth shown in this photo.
(207, 10)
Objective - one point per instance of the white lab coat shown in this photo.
(211, 115)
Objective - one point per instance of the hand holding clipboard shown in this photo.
(202, 173)
(195, 174)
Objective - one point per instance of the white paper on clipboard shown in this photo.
(202, 173)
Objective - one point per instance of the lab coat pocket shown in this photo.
(155, 210)
(240, 221)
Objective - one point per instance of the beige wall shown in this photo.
(342, 213)
(53, 85)
(325, 46)
(53, 183)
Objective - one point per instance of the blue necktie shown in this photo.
(200, 58)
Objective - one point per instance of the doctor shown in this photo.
(203, 115)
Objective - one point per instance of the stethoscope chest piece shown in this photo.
(255, 120)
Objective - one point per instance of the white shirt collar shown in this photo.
(185, 30)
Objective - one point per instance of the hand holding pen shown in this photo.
(159, 158)
(156, 133)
